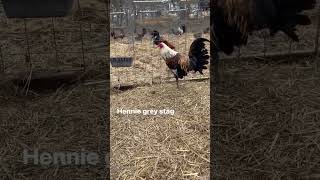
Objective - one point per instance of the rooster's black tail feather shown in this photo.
(198, 54)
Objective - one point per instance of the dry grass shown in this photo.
(269, 115)
(268, 120)
(161, 146)
(60, 120)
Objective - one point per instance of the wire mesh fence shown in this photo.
(165, 17)
(75, 42)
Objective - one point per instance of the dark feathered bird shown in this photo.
(118, 36)
(140, 36)
(157, 38)
(234, 20)
(181, 30)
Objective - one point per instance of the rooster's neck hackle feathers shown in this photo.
(237, 12)
(166, 52)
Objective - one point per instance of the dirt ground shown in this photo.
(268, 112)
(161, 146)
(267, 122)
(266, 126)
(66, 119)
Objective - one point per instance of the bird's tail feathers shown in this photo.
(198, 55)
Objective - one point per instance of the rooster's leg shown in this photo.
(177, 81)
(175, 73)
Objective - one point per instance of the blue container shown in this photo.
(37, 8)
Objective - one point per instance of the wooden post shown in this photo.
(126, 17)
(121, 19)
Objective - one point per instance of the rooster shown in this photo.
(180, 64)
(157, 38)
(234, 20)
